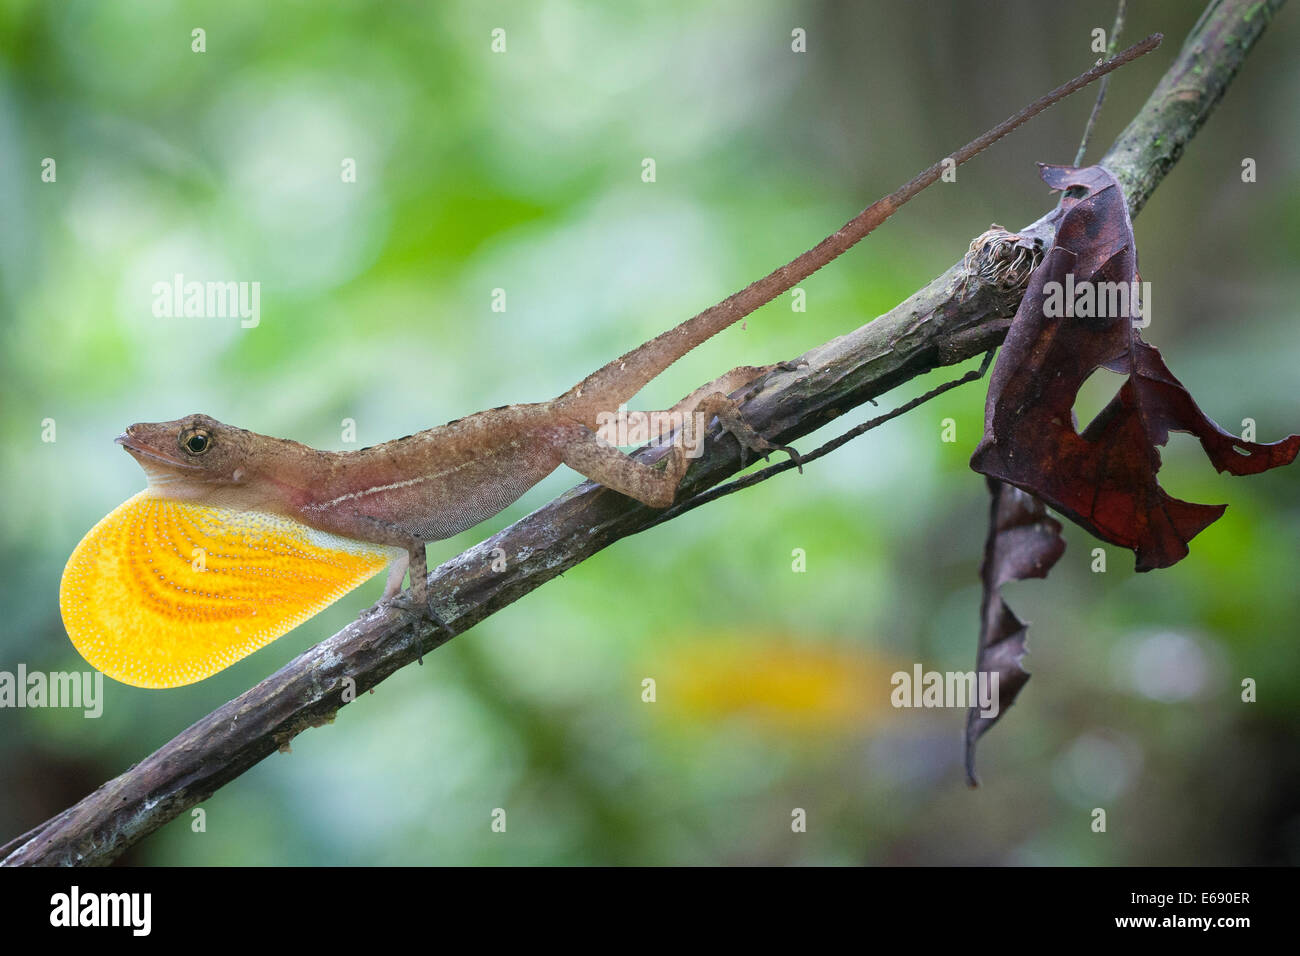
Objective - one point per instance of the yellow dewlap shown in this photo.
(163, 593)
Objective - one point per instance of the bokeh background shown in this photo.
(522, 171)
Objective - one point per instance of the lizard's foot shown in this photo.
(427, 611)
(728, 412)
(422, 606)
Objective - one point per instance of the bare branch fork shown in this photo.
(957, 316)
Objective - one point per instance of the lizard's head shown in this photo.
(192, 456)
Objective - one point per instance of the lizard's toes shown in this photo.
(752, 441)
(794, 456)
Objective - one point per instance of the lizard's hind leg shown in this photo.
(696, 409)
(727, 411)
(590, 455)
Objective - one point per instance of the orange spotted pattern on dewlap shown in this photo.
(163, 593)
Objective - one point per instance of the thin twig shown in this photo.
(1115, 31)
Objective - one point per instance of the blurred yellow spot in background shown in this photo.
(774, 682)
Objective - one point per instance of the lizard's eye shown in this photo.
(195, 441)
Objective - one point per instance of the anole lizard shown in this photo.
(239, 537)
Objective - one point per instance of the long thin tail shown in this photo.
(622, 378)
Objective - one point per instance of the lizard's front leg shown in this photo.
(417, 563)
(414, 562)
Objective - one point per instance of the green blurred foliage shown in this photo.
(522, 171)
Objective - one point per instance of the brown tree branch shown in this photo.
(956, 317)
